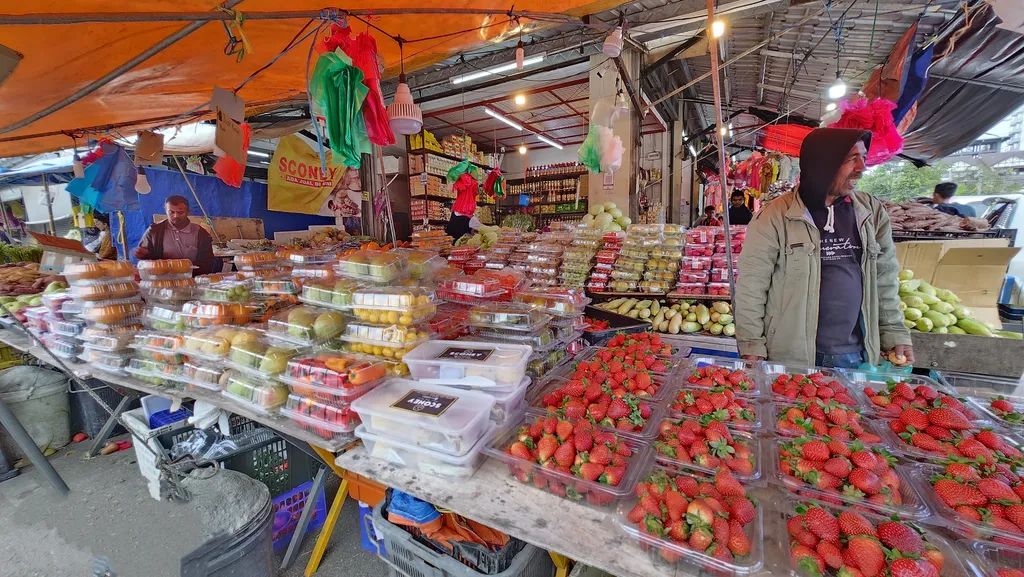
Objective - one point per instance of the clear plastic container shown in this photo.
(373, 266)
(701, 235)
(655, 287)
(165, 268)
(696, 277)
(306, 325)
(695, 263)
(163, 342)
(551, 396)
(737, 247)
(691, 288)
(473, 286)
(990, 558)
(264, 397)
(785, 427)
(144, 368)
(538, 248)
(416, 458)
(71, 310)
(393, 336)
(742, 413)
(1007, 417)
(214, 343)
(718, 289)
(833, 378)
(261, 358)
(915, 453)
(108, 342)
(329, 422)
(218, 277)
(252, 261)
(172, 291)
(698, 250)
(346, 376)
(63, 347)
(312, 257)
(882, 384)
(113, 363)
(487, 365)
(659, 276)
(665, 552)
(570, 486)
(200, 314)
(560, 302)
(949, 518)
(211, 378)
(105, 292)
(113, 314)
(722, 275)
(99, 272)
(911, 507)
(508, 316)
(336, 294)
(413, 304)
(66, 328)
(227, 292)
(541, 341)
(442, 419)
(277, 285)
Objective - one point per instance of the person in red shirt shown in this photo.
(710, 217)
(466, 188)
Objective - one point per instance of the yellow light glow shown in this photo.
(522, 149)
(723, 130)
(717, 28)
(520, 99)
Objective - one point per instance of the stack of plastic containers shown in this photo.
(110, 303)
(632, 260)
(604, 261)
(259, 264)
(578, 257)
(460, 255)
(433, 240)
(562, 335)
(64, 326)
(696, 264)
(543, 262)
(720, 271)
(663, 264)
(389, 322)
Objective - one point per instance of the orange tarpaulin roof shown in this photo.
(62, 59)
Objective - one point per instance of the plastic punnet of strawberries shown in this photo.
(690, 515)
(564, 451)
(714, 376)
(986, 497)
(648, 343)
(801, 387)
(1006, 410)
(848, 544)
(899, 395)
(820, 418)
(947, 432)
(616, 375)
(588, 400)
(720, 402)
(849, 472)
(707, 444)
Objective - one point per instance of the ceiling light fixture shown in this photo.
(520, 55)
(522, 149)
(520, 99)
(723, 130)
(830, 107)
(613, 43)
(497, 69)
(693, 151)
(141, 182)
(549, 142)
(404, 116)
(717, 28)
(504, 119)
(838, 88)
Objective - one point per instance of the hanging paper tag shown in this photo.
(227, 140)
(149, 148)
(229, 102)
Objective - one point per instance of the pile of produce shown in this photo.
(928, 309)
(24, 278)
(677, 318)
(20, 254)
(606, 217)
(913, 215)
(486, 237)
(521, 221)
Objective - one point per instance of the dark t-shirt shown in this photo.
(741, 215)
(839, 299)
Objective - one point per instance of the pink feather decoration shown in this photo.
(875, 116)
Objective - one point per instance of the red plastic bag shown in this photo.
(229, 170)
(363, 51)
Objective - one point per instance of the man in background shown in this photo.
(739, 214)
(177, 237)
(941, 197)
(709, 218)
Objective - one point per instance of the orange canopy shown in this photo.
(62, 59)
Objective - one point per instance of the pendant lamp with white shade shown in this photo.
(404, 116)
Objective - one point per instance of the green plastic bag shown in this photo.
(590, 151)
(337, 87)
(462, 168)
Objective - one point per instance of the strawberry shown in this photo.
(583, 440)
(900, 537)
(741, 509)
(815, 451)
(728, 485)
(1015, 514)
(865, 481)
(997, 491)
(1004, 525)
(651, 506)
(565, 454)
(612, 475)
(676, 504)
(853, 523)
(914, 418)
(687, 486)
(831, 554)
(866, 554)
(738, 542)
(563, 430)
(922, 441)
(948, 419)
(838, 466)
(822, 523)
(935, 557)
(575, 409)
(519, 450)
(990, 439)
(601, 455)
(636, 514)
(678, 530)
(807, 559)
(839, 449)
(968, 513)
(700, 538)
(904, 567)
(546, 447)
(904, 390)
(864, 459)
(701, 512)
(591, 471)
(720, 529)
(962, 470)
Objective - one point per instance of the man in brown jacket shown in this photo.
(818, 272)
(177, 237)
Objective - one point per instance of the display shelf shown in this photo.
(448, 156)
(672, 295)
(526, 179)
(431, 196)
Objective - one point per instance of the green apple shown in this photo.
(329, 325)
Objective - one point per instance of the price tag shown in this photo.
(425, 403)
(464, 354)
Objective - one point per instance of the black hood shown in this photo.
(821, 155)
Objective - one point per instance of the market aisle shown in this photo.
(109, 512)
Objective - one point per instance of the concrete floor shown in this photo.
(109, 512)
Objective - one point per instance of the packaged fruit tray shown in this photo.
(213, 344)
(66, 328)
(144, 368)
(700, 235)
(279, 285)
(373, 266)
(113, 363)
(345, 376)
(994, 559)
(486, 365)
(335, 294)
(541, 341)
(165, 268)
(442, 419)
(573, 400)
(64, 348)
(789, 383)
(695, 263)
(887, 394)
(820, 469)
(476, 286)
(253, 261)
(1003, 409)
(306, 325)
(509, 316)
(260, 358)
(739, 375)
(114, 314)
(54, 300)
(227, 291)
(173, 291)
(611, 463)
(263, 397)
(158, 355)
(105, 292)
(329, 422)
(200, 314)
(413, 304)
(824, 538)
(641, 360)
(208, 377)
(107, 342)
(940, 441)
(560, 302)
(415, 458)
(720, 404)
(163, 317)
(706, 445)
(820, 418)
(964, 496)
(86, 273)
(384, 335)
(312, 257)
(719, 528)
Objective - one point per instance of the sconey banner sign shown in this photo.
(296, 182)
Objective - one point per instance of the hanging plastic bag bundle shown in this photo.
(337, 87)
(494, 184)
(363, 51)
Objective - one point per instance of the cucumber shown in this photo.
(1009, 335)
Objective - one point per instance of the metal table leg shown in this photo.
(109, 425)
(561, 563)
(307, 513)
(21, 436)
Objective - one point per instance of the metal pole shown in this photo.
(49, 205)
(196, 196)
(722, 158)
(21, 436)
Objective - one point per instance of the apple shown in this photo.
(328, 325)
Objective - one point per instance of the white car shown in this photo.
(1003, 211)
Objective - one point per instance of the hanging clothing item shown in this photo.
(363, 51)
(466, 188)
(337, 87)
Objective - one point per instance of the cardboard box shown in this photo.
(60, 252)
(974, 269)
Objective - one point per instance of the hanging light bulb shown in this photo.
(522, 149)
(838, 88)
(520, 99)
(621, 106)
(142, 183)
(520, 55)
(723, 130)
(830, 107)
(717, 28)
(404, 116)
(613, 43)
(77, 167)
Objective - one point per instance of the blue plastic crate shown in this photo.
(287, 509)
(165, 417)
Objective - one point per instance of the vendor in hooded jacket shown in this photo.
(818, 273)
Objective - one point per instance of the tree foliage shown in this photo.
(900, 181)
